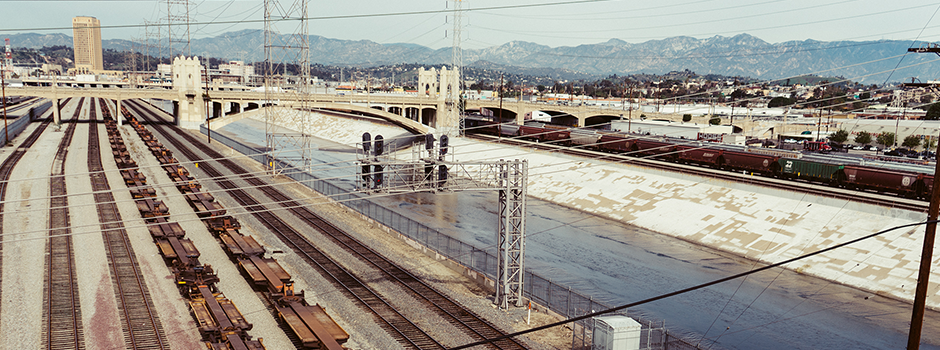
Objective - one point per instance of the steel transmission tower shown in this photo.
(286, 83)
(511, 233)
(455, 107)
(152, 45)
(177, 15)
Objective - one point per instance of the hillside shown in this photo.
(870, 62)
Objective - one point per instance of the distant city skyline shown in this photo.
(554, 23)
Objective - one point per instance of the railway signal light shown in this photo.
(366, 142)
(378, 145)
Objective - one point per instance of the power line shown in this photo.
(321, 18)
(693, 288)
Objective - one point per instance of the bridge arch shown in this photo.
(600, 121)
(504, 115)
(429, 116)
(562, 118)
(410, 125)
(412, 113)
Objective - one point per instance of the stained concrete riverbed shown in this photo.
(618, 263)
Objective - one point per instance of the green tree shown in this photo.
(863, 138)
(714, 120)
(930, 144)
(885, 138)
(933, 113)
(686, 117)
(911, 141)
(779, 101)
(839, 136)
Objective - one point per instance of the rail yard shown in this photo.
(166, 263)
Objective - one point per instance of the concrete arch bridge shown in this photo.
(419, 114)
(574, 116)
(411, 112)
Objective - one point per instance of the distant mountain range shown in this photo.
(870, 62)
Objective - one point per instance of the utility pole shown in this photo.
(819, 125)
(500, 93)
(3, 86)
(205, 96)
(926, 256)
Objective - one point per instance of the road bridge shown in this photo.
(415, 113)
(575, 116)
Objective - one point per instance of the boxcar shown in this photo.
(697, 154)
(900, 182)
(540, 134)
(647, 146)
(615, 143)
(755, 162)
(584, 138)
(798, 168)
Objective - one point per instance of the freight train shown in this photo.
(905, 180)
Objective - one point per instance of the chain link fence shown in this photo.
(540, 290)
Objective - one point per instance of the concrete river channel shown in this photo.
(617, 263)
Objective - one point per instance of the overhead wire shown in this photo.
(715, 340)
(333, 17)
(712, 21)
(825, 84)
(693, 288)
(339, 177)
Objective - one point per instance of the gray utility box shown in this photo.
(616, 333)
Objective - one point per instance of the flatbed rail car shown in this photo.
(218, 318)
(319, 324)
(220, 323)
(905, 180)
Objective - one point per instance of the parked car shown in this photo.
(873, 148)
(859, 147)
(894, 152)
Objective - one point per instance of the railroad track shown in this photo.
(26, 103)
(403, 330)
(461, 318)
(798, 186)
(6, 168)
(63, 316)
(142, 327)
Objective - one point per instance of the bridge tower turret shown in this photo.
(187, 81)
(448, 115)
(427, 82)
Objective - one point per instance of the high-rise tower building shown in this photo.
(87, 43)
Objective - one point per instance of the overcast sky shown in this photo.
(550, 22)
